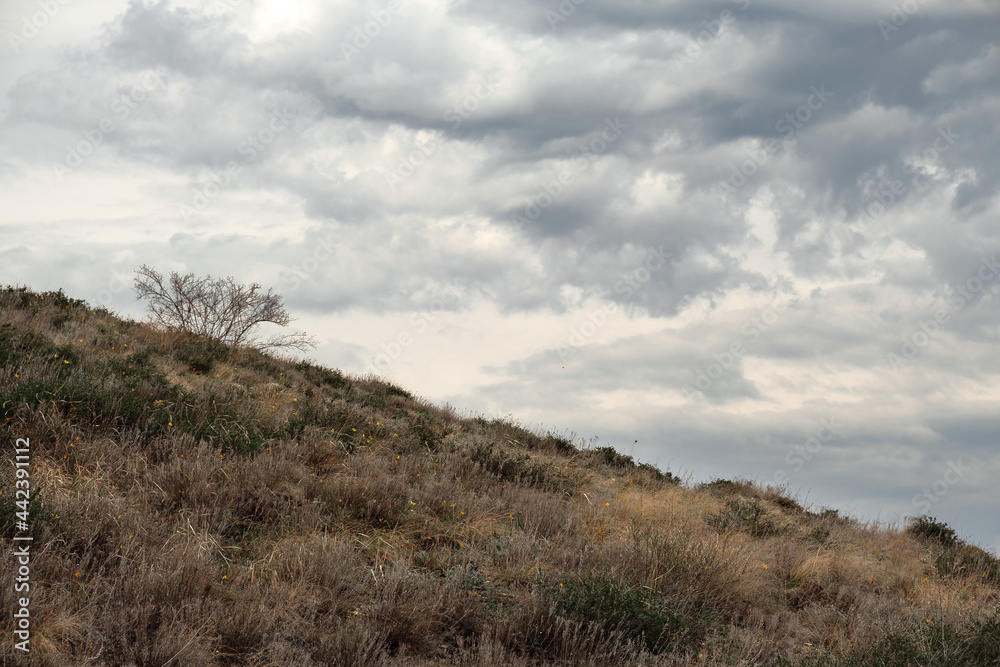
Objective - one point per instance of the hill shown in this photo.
(197, 504)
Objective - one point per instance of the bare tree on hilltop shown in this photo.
(220, 309)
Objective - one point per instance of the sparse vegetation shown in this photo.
(208, 504)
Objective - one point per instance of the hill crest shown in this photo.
(203, 504)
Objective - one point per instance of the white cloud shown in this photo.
(312, 213)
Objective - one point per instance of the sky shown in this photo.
(741, 239)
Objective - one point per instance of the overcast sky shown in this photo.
(752, 238)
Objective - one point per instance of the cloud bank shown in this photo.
(706, 233)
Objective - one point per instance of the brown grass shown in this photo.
(258, 511)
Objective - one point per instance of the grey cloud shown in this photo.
(316, 212)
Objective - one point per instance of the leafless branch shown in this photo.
(219, 308)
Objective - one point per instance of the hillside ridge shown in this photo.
(199, 504)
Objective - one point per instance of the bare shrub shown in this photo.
(220, 309)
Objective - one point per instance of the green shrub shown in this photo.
(19, 348)
(22, 297)
(657, 473)
(747, 514)
(507, 467)
(650, 621)
(787, 503)
(975, 644)
(614, 458)
(109, 395)
(962, 559)
(389, 389)
(561, 444)
(321, 375)
(929, 528)
(727, 487)
(201, 356)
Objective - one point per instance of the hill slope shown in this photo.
(202, 505)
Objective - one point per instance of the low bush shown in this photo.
(651, 622)
(929, 528)
(744, 514)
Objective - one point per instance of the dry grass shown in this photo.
(203, 505)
